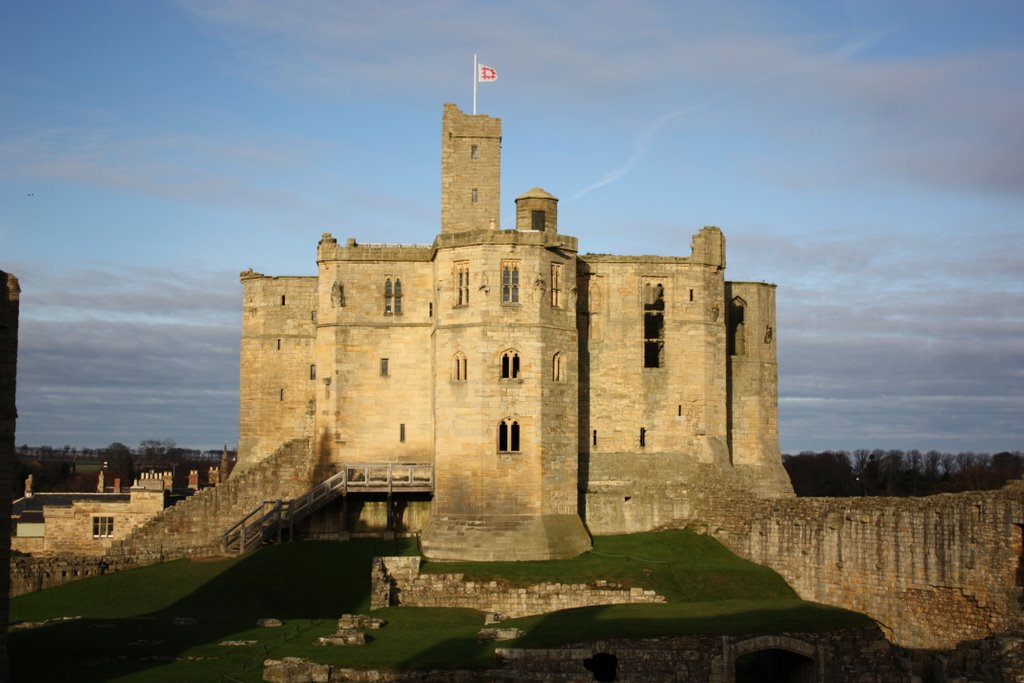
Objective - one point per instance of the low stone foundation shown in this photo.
(398, 581)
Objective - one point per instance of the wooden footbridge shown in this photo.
(272, 519)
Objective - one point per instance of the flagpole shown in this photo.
(474, 82)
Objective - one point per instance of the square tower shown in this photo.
(470, 171)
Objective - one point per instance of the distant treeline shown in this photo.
(899, 473)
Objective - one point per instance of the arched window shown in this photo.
(510, 365)
(508, 436)
(459, 367)
(510, 282)
(654, 325)
(398, 296)
(558, 367)
(736, 337)
(389, 297)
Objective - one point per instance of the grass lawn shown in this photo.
(126, 631)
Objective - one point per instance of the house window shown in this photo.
(558, 368)
(312, 372)
(462, 284)
(654, 325)
(102, 527)
(459, 367)
(537, 220)
(556, 285)
(510, 365)
(508, 436)
(383, 367)
(510, 282)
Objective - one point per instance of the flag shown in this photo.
(486, 74)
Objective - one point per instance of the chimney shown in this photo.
(117, 484)
(193, 479)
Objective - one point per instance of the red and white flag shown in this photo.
(486, 74)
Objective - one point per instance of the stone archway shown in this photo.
(778, 659)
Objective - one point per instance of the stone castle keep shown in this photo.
(511, 363)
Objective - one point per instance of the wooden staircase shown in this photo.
(272, 520)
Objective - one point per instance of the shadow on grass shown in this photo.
(306, 585)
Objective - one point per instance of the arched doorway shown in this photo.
(775, 666)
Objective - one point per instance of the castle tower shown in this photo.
(753, 388)
(505, 363)
(470, 171)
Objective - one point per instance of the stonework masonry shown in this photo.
(398, 581)
(508, 361)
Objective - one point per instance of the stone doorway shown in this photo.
(775, 666)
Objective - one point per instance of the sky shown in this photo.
(865, 156)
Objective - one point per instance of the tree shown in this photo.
(117, 464)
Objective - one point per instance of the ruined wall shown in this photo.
(398, 581)
(10, 295)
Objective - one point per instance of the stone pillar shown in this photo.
(9, 304)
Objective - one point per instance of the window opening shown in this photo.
(680, 410)
(736, 338)
(383, 367)
(312, 372)
(338, 295)
(401, 432)
(398, 296)
(312, 316)
(508, 436)
(278, 344)
(282, 299)
(510, 282)
(461, 284)
(595, 437)
(556, 285)
(474, 196)
(459, 367)
(510, 365)
(280, 395)
(643, 437)
(537, 220)
(558, 368)
(430, 309)
(473, 151)
(389, 297)
(102, 527)
(654, 325)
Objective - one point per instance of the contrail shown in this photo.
(642, 141)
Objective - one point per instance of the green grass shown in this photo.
(125, 632)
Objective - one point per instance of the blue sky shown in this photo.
(867, 157)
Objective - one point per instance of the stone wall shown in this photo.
(398, 581)
(10, 295)
(932, 571)
(848, 656)
(69, 529)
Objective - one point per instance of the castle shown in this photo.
(511, 363)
